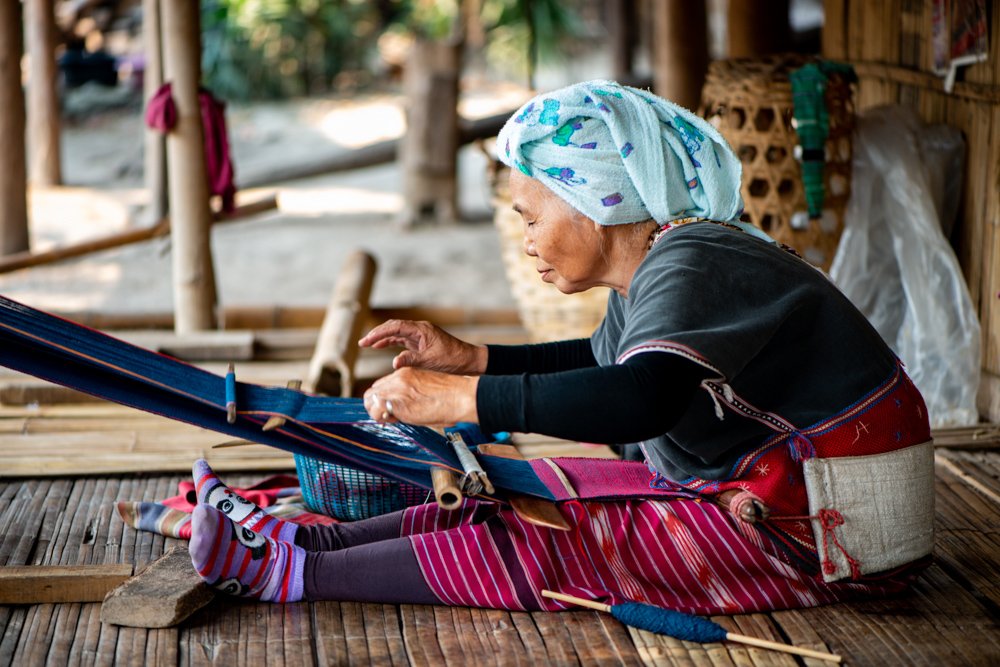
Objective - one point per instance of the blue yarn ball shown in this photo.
(668, 622)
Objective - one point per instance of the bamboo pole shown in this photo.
(680, 50)
(43, 100)
(331, 369)
(193, 273)
(155, 149)
(13, 176)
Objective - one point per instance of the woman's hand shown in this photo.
(427, 347)
(423, 397)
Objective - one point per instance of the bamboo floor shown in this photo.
(56, 508)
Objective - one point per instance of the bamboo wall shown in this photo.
(889, 43)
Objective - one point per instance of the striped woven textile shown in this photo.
(681, 554)
(678, 550)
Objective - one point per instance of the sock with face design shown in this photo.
(235, 560)
(211, 491)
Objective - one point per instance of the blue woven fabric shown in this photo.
(338, 430)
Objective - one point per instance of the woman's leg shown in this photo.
(422, 518)
(240, 562)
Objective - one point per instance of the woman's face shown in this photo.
(566, 245)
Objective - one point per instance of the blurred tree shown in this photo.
(259, 49)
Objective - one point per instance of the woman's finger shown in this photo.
(388, 329)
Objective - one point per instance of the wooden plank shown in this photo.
(164, 594)
(226, 345)
(35, 584)
(420, 633)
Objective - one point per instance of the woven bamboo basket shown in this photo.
(547, 313)
(750, 102)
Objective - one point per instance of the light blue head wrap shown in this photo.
(622, 155)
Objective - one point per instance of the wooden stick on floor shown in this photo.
(730, 636)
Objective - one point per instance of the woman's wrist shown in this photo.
(469, 410)
(480, 357)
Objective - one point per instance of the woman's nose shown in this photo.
(529, 247)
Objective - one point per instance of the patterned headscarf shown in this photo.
(622, 155)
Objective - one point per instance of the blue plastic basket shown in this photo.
(349, 495)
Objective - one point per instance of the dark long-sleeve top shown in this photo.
(558, 389)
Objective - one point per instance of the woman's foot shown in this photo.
(235, 560)
(211, 491)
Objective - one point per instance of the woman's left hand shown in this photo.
(428, 398)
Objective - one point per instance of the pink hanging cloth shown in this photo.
(161, 114)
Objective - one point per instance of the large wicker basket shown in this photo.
(546, 313)
(750, 102)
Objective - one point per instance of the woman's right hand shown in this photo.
(428, 347)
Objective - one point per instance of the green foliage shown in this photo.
(524, 32)
(258, 49)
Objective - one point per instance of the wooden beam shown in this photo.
(331, 370)
(193, 272)
(623, 36)
(43, 100)
(680, 50)
(161, 596)
(758, 27)
(40, 584)
(13, 175)
(291, 317)
(24, 260)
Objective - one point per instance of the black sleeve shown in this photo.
(561, 355)
(640, 399)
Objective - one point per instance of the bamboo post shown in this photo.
(680, 50)
(193, 274)
(155, 150)
(331, 369)
(43, 100)
(13, 176)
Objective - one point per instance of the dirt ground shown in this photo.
(289, 256)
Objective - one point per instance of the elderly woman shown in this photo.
(788, 453)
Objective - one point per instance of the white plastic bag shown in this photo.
(895, 264)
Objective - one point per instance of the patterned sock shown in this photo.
(238, 561)
(211, 491)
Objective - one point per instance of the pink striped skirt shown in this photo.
(683, 554)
